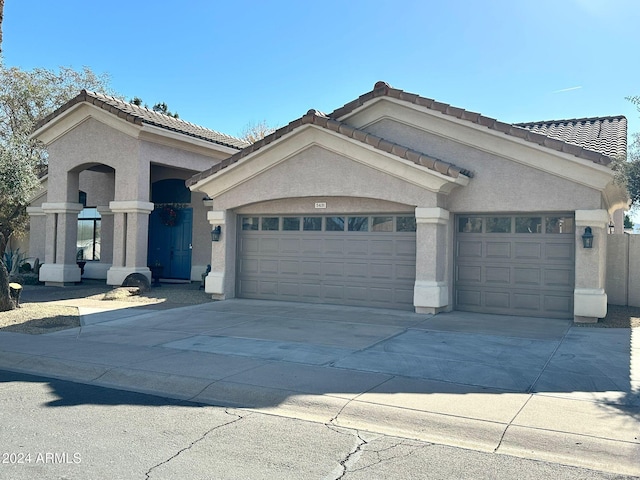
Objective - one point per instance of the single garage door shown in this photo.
(515, 264)
(365, 260)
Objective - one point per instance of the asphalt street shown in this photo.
(53, 429)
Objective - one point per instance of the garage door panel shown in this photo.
(356, 270)
(560, 304)
(497, 299)
(560, 251)
(290, 246)
(269, 266)
(468, 298)
(520, 273)
(289, 267)
(355, 293)
(249, 245)
(313, 268)
(382, 248)
(405, 247)
(498, 249)
(266, 287)
(528, 251)
(469, 273)
(357, 247)
(470, 249)
(332, 269)
(269, 246)
(334, 247)
(526, 301)
(559, 278)
(311, 246)
(248, 266)
(497, 275)
(405, 273)
(526, 276)
(382, 271)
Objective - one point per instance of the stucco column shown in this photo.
(215, 283)
(130, 236)
(590, 298)
(60, 266)
(37, 232)
(431, 292)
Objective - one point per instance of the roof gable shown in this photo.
(313, 117)
(598, 152)
(141, 116)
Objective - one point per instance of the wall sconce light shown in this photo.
(206, 198)
(587, 238)
(215, 233)
(612, 228)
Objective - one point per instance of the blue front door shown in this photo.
(170, 242)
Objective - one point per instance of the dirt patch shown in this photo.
(39, 318)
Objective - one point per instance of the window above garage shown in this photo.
(383, 223)
(532, 224)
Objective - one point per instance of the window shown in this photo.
(335, 224)
(470, 225)
(498, 225)
(270, 223)
(528, 224)
(559, 225)
(312, 224)
(88, 242)
(406, 224)
(250, 223)
(358, 224)
(291, 223)
(382, 224)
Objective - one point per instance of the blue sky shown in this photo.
(226, 64)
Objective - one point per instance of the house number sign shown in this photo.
(321, 204)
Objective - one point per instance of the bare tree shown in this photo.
(253, 132)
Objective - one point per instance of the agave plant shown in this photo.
(13, 260)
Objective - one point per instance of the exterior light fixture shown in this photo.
(612, 228)
(587, 238)
(215, 233)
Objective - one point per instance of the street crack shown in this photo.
(196, 441)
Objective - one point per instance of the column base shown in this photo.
(589, 304)
(430, 297)
(214, 284)
(116, 275)
(59, 275)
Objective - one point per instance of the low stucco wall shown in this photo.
(623, 270)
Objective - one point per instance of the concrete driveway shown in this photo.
(531, 387)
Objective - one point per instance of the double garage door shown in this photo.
(365, 260)
(518, 264)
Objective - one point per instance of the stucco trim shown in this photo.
(586, 218)
(131, 206)
(78, 114)
(308, 136)
(432, 215)
(430, 294)
(216, 217)
(35, 211)
(62, 207)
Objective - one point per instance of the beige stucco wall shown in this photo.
(498, 184)
(317, 172)
(306, 205)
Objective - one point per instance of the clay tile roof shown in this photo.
(607, 135)
(599, 139)
(314, 117)
(141, 115)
